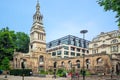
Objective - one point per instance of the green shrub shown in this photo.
(20, 72)
(61, 72)
(43, 72)
(50, 71)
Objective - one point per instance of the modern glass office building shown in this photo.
(68, 46)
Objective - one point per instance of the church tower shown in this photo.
(37, 32)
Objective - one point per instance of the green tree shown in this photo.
(22, 42)
(5, 64)
(7, 45)
(113, 5)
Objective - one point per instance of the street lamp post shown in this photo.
(83, 71)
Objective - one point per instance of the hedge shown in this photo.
(20, 72)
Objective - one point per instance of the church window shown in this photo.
(41, 59)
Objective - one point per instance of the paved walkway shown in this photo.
(49, 78)
(29, 78)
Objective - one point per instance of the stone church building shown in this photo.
(104, 52)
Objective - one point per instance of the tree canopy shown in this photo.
(7, 44)
(22, 42)
(9, 41)
(113, 5)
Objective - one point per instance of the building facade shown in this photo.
(102, 54)
(109, 44)
(68, 46)
(37, 58)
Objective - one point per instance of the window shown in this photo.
(95, 51)
(78, 54)
(31, 46)
(99, 60)
(70, 64)
(41, 67)
(55, 64)
(65, 52)
(114, 48)
(114, 41)
(58, 52)
(78, 50)
(72, 49)
(66, 57)
(59, 42)
(78, 63)
(83, 50)
(95, 45)
(53, 53)
(87, 63)
(62, 64)
(72, 54)
(80, 43)
(66, 47)
(41, 59)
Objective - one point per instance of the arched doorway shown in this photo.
(78, 64)
(55, 64)
(88, 63)
(62, 64)
(70, 64)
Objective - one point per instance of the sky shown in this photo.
(60, 17)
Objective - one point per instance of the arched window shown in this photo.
(87, 63)
(62, 63)
(70, 64)
(99, 60)
(41, 59)
(55, 64)
(78, 63)
(16, 62)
